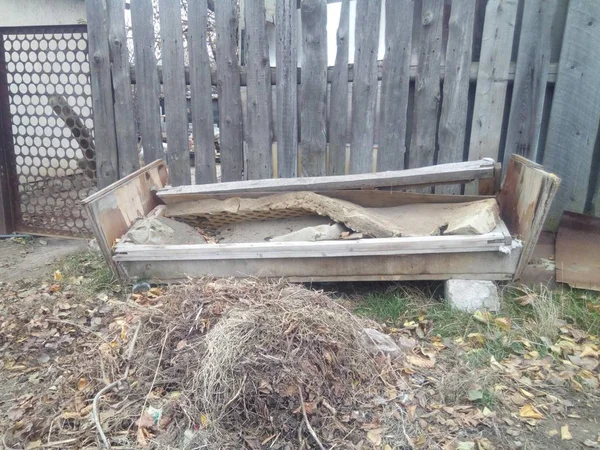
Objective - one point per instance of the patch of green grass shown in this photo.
(88, 270)
(383, 307)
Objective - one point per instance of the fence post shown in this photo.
(107, 159)
(7, 224)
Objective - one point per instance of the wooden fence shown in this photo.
(460, 80)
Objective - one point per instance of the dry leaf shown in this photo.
(181, 344)
(528, 411)
(591, 444)
(565, 434)
(503, 323)
(418, 361)
(33, 444)
(476, 339)
(552, 433)
(58, 276)
(483, 316)
(82, 384)
(375, 436)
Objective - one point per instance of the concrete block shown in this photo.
(472, 295)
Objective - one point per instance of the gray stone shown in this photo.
(472, 295)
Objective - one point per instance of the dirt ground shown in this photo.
(527, 378)
(21, 259)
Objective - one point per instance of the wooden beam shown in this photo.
(552, 71)
(7, 153)
(440, 174)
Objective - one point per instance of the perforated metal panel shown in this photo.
(51, 112)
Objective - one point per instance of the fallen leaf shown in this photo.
(33, 444)
(58, 276)
(552, 433)
(474, 395)
(181, 344)
(483, 317)
(591, 444)
(502, 323)
(54, 287)
(15, 413)
(375, 436)
(82, 384)
(418, 361)
(528, 411)
(565, 434)
(476, 339)
(465, 446)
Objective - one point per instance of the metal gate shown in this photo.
(50, 105)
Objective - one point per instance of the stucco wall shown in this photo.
(18, 13)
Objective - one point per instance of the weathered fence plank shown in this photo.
(147, 85)
(171, 33)
(529, 87)
(230, 99)
(427, 85)
(453, 118)
(575, 114)
(286, 120)
(395, 84)
(313, 93)
(492, 79)
(126, 135)
(201, 90)
(338, 104)
(258, 136)
(364, 88)
(107, 159)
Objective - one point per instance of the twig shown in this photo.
(162, 349)
(307, 423)
(108, 387)
(239, 391)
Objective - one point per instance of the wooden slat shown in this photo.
(147, 86)
(201, 90)
(575, 113)
(171, 33)
(313, 94)
(364, 88)
(492, 79)
(427, 86)
(286, 120)
(230, 100)
(338, 117)
(126, 134)
(258, 135)
(492, 241)
(440, 174)
(453, 118)
(107, 167)
(441, 266)
(529, 87)
(395, 84)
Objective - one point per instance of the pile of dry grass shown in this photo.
(232, 363)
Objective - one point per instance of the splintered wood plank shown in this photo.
(338, 117)
(525, 200)
(125, 130)
(529, 87)
(258, 135)
(201, 90)
(492, 79)
(453, 119)
(427, 85)
(395, 84)
(286, 120)
(146, 74)
(364, 87)
(313, 95)
(575, 114)
(228, 85)
(171, 33)
(440, 174)
(114, 209)
(107, 168)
